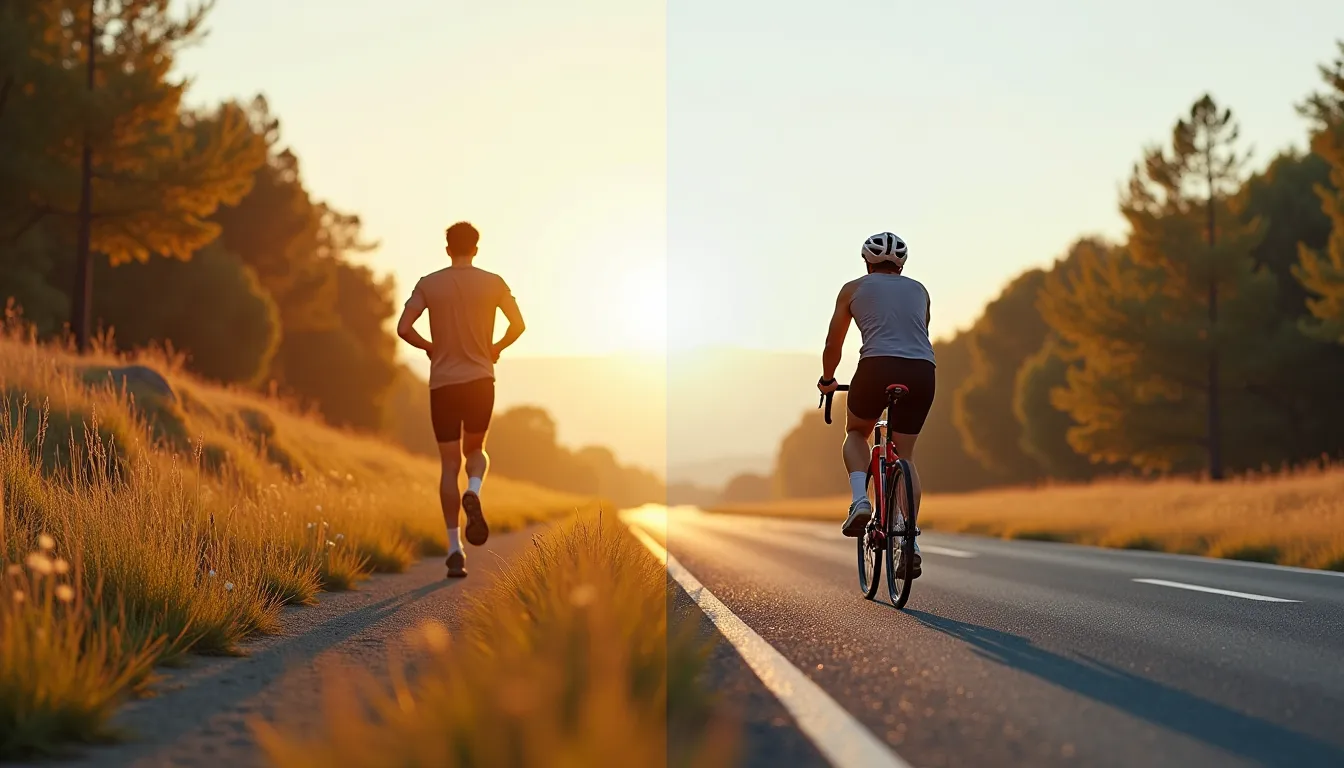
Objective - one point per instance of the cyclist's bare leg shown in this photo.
(905, 448)
(857, 455)
(858, 451)
(450, 458)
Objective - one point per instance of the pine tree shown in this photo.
(104, 144)
(1322, 272)
(1008, 332)
(1045, 428)
(1161, 333)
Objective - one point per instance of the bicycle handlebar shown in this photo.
(826, 398)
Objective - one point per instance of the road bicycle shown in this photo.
(880, 539)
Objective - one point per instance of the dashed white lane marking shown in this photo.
(945, 551)
(1215, 591)
(844, 741)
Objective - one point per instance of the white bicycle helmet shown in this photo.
(885, 247)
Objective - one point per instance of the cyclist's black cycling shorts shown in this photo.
(868, 391)
(461, 406)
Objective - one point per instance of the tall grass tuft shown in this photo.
(64, 665)
(567, 659)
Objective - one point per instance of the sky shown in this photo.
(703, 172)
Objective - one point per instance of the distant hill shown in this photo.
(715, 473)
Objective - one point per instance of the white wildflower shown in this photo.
(228, 586)
(61, 566)
(583, 595)
(40, 564)
(212, 573)
(340, 536)
(45, 542)
(64, 593)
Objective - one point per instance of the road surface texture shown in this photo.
(1031, 653)
(200, 715)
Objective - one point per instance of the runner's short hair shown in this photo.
(462, 237)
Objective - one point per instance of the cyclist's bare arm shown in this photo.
(406, 325)
(835, 335)
(509, 306)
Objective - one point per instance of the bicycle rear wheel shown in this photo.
(870, 554)
(900, 549)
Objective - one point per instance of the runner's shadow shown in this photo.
(1166, 707)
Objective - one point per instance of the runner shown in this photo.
(892, 312)
(462, 301)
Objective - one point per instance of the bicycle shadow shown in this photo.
(1169, 708)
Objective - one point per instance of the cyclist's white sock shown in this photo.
(454, 542)
(474, 485)
(858, 485)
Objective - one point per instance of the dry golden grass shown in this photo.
(1294, 518)
(569, 659)
(194, 521)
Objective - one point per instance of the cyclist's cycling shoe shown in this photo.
(916, 566)
(859, 514)
(457, 565)
(477, 530)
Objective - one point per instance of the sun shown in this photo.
(639, 323)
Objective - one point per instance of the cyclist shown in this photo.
(892, 312)
(462, 301)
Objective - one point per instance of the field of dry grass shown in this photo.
(570, 659)
(135, 528)
(1290, 519)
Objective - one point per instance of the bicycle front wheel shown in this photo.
(870, 553)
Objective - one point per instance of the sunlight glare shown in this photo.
(642, 304)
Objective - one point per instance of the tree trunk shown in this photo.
(1215, 426)
(81, 295)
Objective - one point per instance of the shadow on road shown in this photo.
(1161, 705)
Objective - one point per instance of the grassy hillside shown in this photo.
(1290, 519)
(138, 526)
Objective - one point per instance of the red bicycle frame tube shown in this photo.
(884, 453)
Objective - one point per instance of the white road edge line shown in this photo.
(1212, 590)
(844, 741)
(945, 551)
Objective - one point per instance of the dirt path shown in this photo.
(200, 715)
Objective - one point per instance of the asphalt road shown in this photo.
(1030, 653)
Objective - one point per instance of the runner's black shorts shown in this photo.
(456, 407)
(868, 391)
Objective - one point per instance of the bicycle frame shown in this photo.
(884, 456)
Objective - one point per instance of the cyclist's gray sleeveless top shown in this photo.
(892, 314)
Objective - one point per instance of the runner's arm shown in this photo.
(835, 335)
(415, 306)
(509, 306)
